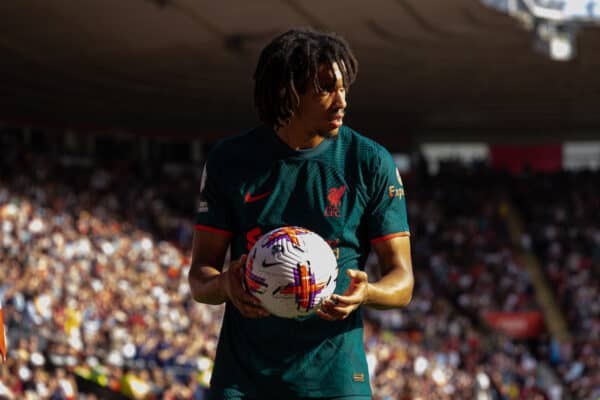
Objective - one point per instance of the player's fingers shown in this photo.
(329, 308)
(252, 311)
(237, 264)
(344, 310)
(326, 307)
(351, 299)
(357, 275)
(324, 315)
(335, 314)
(246, 298)
(255, 314)
(241, 303)
(354, 295)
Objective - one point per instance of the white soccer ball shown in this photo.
(291, 270)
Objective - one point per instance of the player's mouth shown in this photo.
(336, 120)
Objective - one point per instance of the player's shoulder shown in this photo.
(234, 148)
(365, 147)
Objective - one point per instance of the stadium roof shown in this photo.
(187, 64)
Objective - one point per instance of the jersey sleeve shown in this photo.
(213, 214)
(386, 213)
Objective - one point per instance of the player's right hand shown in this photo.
(248, 305)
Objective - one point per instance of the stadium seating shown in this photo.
(95, 289)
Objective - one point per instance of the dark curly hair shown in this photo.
(287, 65)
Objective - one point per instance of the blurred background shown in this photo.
(490, 108)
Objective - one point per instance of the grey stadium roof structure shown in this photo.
(187, 65)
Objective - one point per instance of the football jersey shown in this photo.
(349, 191)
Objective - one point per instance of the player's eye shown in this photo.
(327, 90)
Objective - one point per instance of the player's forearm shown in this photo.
(206, 285)
(393, 290)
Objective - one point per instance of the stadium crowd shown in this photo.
(463, 238)
(465, 267)
(565, 235)
(94, 288)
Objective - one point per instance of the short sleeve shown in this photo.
(213, 214)
(386, 212)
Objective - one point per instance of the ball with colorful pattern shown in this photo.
(291, 270)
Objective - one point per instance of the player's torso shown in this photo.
(322, 192)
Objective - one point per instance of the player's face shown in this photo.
(322, 113)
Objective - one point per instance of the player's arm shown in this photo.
(205, 277)
(210, 284)
(395, 287)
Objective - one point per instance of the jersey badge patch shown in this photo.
(356, 377)
(334, 197)
(202, 206)
(394, 191)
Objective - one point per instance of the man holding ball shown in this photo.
(302, 167)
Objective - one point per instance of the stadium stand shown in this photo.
(96, 302)
(561, 213)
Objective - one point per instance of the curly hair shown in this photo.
(287, 65)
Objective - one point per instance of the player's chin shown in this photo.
(329, 132)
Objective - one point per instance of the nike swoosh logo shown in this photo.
(251, 199)
(267, 265)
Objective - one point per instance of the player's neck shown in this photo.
(298, 138)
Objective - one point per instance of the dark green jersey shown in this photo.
(349, 191)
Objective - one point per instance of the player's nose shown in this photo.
(340, 99)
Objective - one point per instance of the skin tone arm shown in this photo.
(210, 285)
(393, 290)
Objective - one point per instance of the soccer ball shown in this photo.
(291, 270)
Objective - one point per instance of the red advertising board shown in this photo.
(542, 158)
(518, 325)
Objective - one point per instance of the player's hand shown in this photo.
(248, 305)
(340, 307)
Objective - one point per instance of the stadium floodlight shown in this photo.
(554, 22)
(556, 41)
(561, 48)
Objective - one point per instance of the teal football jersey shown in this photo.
(349, 191)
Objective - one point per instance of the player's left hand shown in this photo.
(340, 307)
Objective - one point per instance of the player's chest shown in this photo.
(313, 195)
